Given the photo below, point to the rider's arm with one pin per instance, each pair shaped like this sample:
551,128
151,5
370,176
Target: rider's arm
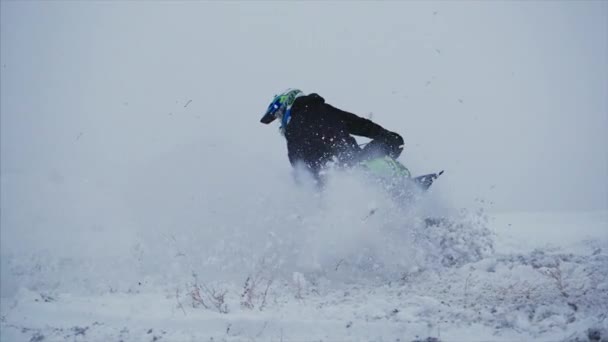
357,125
363,127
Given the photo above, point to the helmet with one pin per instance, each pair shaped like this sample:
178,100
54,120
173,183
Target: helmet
280,107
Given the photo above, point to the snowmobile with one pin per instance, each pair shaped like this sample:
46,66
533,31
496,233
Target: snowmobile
398,181
396,178
389,169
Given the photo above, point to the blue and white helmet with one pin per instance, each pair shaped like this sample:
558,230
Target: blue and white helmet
280,107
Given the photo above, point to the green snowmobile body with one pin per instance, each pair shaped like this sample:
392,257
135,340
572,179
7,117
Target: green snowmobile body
386,167
391,171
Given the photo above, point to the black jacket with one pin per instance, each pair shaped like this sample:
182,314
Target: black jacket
318,133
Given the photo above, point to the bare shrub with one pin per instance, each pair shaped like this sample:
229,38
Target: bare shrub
555,273
255,291
208,297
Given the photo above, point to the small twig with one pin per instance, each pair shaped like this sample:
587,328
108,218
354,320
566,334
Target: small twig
265,294
262,330
556,275
179,304
339,263
196,297
217,298
247,296
466,288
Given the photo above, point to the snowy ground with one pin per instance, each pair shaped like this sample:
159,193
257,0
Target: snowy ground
521,284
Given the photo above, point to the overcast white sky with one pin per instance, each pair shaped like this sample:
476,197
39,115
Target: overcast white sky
510,98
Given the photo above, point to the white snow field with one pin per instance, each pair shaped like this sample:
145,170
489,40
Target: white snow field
142,200
529,287
319,268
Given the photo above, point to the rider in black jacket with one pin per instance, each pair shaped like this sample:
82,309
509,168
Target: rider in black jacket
318,133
